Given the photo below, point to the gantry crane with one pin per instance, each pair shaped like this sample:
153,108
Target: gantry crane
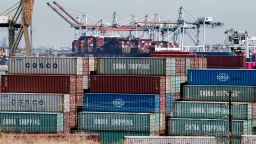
23,11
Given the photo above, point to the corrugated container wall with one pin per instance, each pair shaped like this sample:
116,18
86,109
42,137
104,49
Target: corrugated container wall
222,77
226,62
212,110
31,122
38,84
169,140
114,102
37,102
148,66
248,139
139,122
209,127
219,93
130,84
46,65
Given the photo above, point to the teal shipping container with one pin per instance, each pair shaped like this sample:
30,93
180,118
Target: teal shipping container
212,110
31,122
218,93
137,122
207,127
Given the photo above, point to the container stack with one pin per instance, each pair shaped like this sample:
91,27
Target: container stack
127,97
41,94
205,108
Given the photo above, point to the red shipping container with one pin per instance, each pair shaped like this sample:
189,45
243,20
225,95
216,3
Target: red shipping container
130,84
39,84
169,53
229,62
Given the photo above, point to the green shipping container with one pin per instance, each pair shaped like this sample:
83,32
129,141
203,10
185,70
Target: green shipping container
219,93
33,122
113,137
139,122
207,127
212,110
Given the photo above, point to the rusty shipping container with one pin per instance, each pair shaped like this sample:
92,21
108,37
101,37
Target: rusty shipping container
130,84
47,65
226,62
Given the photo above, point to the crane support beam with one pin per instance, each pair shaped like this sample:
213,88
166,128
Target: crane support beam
60,14
62,9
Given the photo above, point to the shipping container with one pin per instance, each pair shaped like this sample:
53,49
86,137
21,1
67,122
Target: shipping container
212,110
248,139
114,137
207,127
137,122
127,84
39,84
214,53
219,93
45,65
169,140
130,84
31,122
115,102
85,82
144,66
170,52
37,102
226,62
222,77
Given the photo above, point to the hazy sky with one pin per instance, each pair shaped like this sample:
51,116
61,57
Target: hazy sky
49,29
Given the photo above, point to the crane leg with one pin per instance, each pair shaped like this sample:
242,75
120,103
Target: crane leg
27,42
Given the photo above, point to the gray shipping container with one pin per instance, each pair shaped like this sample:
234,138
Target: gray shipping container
169,140
143,122
34,102
45,65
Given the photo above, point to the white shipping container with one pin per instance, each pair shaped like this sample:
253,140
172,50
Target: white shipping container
45,65
91,64
34,102
169,140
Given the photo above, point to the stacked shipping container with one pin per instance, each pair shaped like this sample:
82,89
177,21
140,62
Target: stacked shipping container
135,85
42,75
205,110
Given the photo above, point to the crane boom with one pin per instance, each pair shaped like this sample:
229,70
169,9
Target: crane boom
68,21
62,9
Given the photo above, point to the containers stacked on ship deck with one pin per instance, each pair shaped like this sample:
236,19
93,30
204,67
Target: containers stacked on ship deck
205,108
40,91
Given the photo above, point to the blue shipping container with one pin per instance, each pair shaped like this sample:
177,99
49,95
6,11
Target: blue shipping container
113,102
222,77
214,53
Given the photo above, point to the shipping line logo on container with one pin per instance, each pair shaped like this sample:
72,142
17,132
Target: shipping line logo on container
131,66
41,65
223,77
118,103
